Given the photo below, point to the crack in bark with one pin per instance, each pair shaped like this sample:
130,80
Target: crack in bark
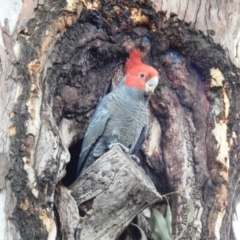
199,5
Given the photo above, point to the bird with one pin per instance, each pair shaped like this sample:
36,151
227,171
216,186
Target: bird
120,118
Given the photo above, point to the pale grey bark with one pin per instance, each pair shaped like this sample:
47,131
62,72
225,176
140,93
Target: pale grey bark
34,151
108,195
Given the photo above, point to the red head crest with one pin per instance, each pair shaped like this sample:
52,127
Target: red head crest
139,75
133,60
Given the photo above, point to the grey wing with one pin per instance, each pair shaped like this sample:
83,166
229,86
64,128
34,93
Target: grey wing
94,131
140,140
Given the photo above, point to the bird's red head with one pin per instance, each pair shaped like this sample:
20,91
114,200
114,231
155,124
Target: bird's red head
140,75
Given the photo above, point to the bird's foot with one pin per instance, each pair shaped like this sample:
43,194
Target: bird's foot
135,158
125,149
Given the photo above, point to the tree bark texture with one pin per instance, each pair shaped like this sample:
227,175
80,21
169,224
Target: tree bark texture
59,58
110,194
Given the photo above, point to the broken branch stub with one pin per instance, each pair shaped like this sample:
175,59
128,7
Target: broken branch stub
109,194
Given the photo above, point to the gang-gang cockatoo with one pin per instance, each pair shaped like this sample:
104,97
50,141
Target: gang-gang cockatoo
121,116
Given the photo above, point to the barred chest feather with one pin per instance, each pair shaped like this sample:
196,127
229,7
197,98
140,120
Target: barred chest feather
128,117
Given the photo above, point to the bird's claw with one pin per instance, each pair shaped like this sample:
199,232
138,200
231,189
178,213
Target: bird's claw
125,149
135,158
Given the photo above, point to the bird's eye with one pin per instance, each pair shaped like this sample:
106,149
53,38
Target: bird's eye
142,75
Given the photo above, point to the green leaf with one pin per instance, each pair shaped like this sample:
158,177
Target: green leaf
158,226
168,219
191,211
151,224
143,235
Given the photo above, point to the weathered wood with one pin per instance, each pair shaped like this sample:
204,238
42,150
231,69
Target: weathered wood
33,157
109,194
59,58
67,213
220,19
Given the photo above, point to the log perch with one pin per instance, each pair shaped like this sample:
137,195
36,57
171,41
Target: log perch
109,194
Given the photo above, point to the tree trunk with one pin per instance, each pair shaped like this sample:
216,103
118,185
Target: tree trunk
59,58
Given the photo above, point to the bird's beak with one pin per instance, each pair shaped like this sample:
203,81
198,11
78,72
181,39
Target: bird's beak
150,85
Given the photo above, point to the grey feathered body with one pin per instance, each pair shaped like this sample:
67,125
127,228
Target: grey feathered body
121,117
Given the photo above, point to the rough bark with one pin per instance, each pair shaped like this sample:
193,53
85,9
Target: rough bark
59,58
108,196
